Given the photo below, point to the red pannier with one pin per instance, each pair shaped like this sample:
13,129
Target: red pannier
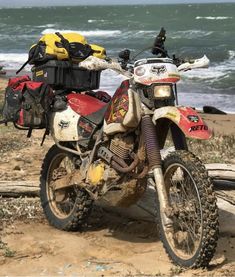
27,102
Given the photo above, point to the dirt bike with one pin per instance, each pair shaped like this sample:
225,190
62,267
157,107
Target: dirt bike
112,152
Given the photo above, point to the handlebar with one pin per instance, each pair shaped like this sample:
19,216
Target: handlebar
93,63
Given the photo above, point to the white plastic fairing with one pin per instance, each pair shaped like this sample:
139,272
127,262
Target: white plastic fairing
199,63
150,71
65,125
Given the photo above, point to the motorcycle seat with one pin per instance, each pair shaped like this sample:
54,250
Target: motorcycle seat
98,116
87,106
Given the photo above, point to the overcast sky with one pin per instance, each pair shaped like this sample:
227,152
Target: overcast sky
19,3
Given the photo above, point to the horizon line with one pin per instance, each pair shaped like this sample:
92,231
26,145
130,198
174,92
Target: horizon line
116,4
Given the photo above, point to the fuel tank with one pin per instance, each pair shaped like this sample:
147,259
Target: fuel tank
124,110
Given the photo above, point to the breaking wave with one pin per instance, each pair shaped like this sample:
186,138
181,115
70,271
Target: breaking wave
96,20
12,61
46,26
190,34
214,17
96,33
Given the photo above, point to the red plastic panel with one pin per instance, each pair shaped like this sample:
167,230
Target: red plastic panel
192,124
84,104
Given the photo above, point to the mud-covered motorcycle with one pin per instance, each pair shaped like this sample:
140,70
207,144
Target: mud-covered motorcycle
112,151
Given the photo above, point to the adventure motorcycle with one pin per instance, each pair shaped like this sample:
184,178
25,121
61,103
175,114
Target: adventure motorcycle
112,151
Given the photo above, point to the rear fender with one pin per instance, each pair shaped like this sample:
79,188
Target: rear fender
186,119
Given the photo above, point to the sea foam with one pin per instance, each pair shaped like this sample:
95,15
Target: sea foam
96,33
12,61
95,20
46,26
190,34
214,17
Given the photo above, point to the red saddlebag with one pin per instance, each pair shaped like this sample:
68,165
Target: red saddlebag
27,102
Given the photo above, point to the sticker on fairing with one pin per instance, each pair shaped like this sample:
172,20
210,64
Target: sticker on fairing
198,128
193,118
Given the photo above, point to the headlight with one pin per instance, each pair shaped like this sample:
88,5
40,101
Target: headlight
162,91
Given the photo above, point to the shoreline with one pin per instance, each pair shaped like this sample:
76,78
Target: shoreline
12,73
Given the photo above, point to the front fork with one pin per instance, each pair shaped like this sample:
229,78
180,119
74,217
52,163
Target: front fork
155,164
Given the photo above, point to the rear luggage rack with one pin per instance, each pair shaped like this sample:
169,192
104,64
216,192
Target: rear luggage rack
66,75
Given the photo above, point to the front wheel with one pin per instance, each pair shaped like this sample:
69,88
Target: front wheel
191,239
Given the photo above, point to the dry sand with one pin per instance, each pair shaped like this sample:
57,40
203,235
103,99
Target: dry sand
221,124
112,245
3,84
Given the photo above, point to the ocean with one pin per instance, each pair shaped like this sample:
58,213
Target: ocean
192,31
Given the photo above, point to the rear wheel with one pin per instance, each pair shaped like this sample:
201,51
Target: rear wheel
66,209
191,240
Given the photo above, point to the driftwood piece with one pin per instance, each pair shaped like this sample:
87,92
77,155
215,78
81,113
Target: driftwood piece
224,172
221,171
145,208
227,196
19,188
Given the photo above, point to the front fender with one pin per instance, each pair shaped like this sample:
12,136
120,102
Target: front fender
186,119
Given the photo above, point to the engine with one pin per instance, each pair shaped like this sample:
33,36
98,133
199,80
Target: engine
120,149
115,172
122,146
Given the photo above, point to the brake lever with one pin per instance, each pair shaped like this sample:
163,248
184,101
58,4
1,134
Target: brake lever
177,61
124,58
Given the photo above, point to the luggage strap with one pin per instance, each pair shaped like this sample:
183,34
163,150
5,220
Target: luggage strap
47,130
18,71
64,42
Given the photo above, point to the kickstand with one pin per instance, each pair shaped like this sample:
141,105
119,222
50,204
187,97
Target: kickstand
3,122
46,133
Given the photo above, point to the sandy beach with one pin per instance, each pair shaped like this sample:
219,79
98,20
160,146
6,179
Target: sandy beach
119,241
3,84
221,124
